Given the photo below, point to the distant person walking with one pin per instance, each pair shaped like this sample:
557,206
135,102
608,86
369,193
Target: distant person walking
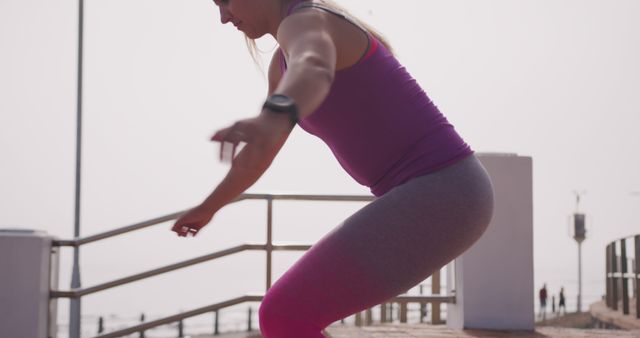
561,302
543,301
339,80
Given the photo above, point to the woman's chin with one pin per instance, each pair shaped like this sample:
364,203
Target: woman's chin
253,36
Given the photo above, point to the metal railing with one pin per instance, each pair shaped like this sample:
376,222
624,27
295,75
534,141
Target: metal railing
618,274
268,247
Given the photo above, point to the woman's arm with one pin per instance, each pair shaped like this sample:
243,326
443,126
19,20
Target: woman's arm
312,56
243,174
305,38
264,136
268,134
307,41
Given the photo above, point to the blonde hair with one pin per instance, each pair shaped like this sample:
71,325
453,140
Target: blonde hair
330,4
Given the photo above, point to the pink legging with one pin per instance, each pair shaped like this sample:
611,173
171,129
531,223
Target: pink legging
381,251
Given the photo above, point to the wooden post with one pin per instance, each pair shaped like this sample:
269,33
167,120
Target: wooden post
614,279
269,239
368,317
249,320
637,259
607,279
422,305
359,319
435,290
100,324
383,313
403,312
625,282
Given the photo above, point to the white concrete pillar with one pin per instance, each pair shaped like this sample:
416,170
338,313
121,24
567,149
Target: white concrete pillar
494,278
27,272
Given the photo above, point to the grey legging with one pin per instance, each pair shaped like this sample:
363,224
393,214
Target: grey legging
383,250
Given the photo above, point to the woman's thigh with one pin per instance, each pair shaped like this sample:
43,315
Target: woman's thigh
387,247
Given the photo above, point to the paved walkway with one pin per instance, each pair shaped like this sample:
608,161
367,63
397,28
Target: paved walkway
439,331
606,315
598,310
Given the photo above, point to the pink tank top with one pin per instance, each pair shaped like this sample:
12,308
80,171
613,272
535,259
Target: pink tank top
379,123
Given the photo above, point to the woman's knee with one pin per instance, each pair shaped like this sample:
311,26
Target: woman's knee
277,321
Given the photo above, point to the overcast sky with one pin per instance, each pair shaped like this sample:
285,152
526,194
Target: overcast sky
554,80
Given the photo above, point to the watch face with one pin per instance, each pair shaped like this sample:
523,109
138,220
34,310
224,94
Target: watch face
280,99
278,103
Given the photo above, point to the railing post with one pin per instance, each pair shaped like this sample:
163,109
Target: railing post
216,331
637,259
141,321
435,290
383,313
625,282
100,325
180,329
368,317
269,238
614,280
249,321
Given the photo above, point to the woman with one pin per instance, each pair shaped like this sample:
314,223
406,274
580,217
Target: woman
338,80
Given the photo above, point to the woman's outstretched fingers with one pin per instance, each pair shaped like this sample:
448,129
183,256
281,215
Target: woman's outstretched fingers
180,229
230,138
227,151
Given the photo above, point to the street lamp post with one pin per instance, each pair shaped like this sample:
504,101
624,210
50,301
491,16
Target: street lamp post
74,304
579,235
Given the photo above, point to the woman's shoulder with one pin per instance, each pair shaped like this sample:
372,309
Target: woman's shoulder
350,39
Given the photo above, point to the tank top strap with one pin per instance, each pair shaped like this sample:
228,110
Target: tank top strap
292,5
372,43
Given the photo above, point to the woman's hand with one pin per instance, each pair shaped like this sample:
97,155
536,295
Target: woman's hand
262,137
192,221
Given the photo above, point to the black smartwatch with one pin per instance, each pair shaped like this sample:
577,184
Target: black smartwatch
282,104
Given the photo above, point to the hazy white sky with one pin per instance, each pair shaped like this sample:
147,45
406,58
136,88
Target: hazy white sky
554,80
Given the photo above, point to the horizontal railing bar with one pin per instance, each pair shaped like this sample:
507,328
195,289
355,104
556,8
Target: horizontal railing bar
116,232
184,315
629,275
83,292
299,197
290,247
292,197
252,298
219,254
423,299
627,237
